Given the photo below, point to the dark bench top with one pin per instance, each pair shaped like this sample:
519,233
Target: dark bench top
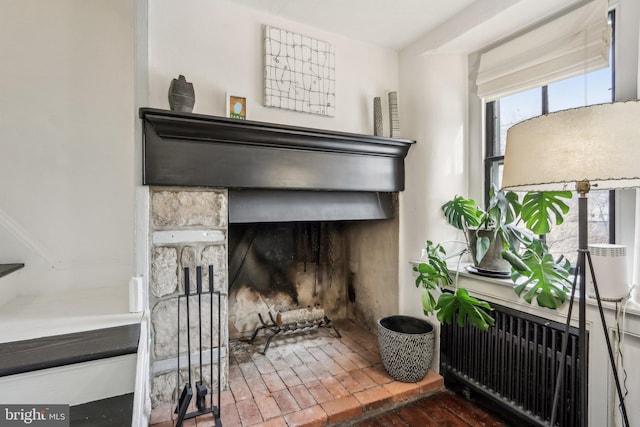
9,268
59,350
110,412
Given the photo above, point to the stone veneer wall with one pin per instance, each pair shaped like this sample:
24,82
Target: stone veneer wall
188,228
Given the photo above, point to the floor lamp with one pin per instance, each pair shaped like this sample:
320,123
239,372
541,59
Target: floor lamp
595,147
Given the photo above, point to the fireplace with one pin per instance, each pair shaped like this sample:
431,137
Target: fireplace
289,217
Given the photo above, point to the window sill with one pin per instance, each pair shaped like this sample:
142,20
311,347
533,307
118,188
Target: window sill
501,292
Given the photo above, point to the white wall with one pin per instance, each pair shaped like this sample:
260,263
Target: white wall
67,141
217,46
433,90
627,34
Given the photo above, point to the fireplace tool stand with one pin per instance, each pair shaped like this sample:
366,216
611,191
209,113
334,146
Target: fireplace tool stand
200,387
293,321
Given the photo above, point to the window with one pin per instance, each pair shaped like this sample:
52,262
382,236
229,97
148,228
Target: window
592,88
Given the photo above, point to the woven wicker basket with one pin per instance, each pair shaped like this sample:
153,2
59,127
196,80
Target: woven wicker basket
406,347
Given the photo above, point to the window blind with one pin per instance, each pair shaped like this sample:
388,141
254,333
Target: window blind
572,44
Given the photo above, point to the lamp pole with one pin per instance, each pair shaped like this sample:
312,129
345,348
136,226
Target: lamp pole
584,258
583,187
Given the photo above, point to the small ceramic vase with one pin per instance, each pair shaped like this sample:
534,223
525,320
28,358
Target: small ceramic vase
181,95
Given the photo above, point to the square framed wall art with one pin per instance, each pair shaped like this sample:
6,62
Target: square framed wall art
299,73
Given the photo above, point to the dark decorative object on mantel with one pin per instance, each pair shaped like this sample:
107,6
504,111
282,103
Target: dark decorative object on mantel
377,116
181,95
394,119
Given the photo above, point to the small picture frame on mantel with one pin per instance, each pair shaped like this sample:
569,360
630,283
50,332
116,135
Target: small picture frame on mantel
236,107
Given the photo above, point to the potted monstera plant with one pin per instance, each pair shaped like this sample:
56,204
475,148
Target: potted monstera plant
513,225
487,232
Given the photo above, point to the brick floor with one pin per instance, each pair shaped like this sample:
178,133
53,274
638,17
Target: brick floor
307,379
342,409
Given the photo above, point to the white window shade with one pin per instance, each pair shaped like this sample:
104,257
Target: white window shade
573,44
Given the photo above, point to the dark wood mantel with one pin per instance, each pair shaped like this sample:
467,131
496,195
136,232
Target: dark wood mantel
199,150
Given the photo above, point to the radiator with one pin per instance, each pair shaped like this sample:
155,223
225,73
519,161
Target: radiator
515,365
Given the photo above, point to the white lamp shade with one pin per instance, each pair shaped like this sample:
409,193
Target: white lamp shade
599,143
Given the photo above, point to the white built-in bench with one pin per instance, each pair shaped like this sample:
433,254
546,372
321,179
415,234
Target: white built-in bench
79,347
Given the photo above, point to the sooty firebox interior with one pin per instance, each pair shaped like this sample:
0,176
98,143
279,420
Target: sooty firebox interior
285,265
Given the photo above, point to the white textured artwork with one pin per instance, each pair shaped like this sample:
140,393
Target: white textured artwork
299,73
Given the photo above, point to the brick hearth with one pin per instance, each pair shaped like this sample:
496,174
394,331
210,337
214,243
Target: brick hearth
307,379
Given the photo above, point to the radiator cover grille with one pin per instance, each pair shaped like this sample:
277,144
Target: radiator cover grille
515,364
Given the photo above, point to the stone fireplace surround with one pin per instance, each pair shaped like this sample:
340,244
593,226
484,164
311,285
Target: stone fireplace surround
211,179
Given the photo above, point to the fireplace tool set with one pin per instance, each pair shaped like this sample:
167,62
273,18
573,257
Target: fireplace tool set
200,390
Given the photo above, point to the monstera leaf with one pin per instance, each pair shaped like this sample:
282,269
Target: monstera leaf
462,213
515,236
433,272
466,307
537,274
428,302
540,209
504,208
482,247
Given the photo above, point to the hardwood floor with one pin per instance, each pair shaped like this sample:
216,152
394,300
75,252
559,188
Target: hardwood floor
442,409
